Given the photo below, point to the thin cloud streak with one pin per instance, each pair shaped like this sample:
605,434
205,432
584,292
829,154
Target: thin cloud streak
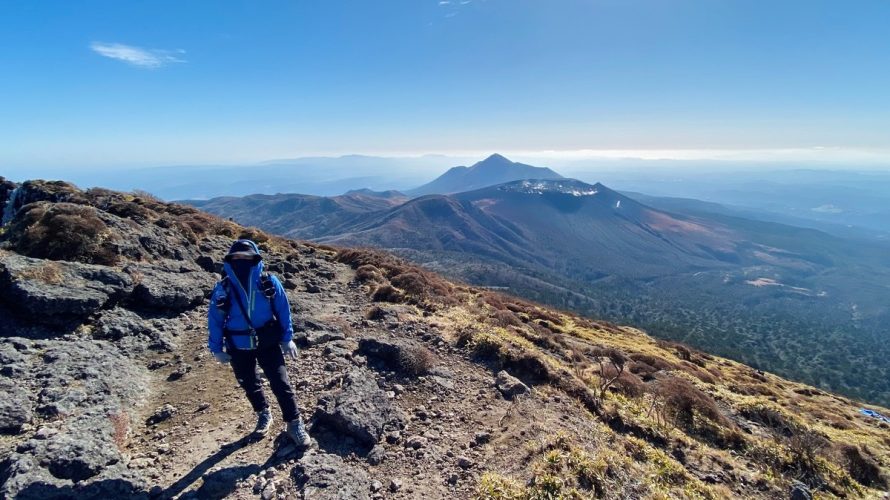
137,56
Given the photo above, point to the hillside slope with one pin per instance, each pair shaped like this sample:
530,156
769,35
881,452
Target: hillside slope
416,386
792,300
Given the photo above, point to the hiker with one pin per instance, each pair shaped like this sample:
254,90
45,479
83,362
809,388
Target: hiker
250,323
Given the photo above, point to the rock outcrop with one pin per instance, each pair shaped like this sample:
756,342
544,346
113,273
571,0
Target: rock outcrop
360,409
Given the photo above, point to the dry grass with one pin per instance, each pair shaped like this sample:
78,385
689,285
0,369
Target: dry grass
375,313
416,360
49,273
62,231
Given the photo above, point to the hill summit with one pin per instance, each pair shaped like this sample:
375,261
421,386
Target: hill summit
496,169
416,386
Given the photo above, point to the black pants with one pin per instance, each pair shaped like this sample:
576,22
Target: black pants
271,360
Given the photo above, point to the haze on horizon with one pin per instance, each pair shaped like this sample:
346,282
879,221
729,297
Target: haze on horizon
102,84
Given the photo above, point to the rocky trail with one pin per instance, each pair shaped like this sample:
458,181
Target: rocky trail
436,432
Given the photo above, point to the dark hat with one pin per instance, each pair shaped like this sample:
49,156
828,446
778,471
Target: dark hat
244,248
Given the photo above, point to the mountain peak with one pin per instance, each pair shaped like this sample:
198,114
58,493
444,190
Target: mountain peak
496,157
494,170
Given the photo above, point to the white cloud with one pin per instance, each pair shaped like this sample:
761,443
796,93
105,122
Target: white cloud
137,56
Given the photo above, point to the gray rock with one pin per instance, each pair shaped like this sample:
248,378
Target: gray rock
377,455
482,437
416,442
15,407
395,485
12,362
509,385
323,476
84,450
800,491
172,292
315,338
161,414
57,292
360,409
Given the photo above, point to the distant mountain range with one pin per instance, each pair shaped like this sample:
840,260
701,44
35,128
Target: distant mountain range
793,300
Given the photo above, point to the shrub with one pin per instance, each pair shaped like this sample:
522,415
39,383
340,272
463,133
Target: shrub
253,234
682,403
805,446
375,313
387,293
62,231
412,283
369,274
128,210
861,467
611,366
770,417
656,363
630,385
505,319
416,360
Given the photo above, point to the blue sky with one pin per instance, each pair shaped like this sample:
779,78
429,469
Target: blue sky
93,83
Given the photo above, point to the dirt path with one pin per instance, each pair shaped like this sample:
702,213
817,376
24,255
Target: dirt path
457,423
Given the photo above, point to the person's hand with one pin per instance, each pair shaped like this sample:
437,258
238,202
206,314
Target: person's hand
289,349
222,357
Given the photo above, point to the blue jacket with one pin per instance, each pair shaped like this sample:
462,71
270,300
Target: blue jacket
258,307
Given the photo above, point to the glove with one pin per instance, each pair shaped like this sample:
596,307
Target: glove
222,357
289,349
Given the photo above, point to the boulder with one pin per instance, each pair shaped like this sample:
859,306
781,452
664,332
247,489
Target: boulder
360,409
323,476
171,292
509,385
55,291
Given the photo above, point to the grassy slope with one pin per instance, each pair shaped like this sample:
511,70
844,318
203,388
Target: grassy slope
670,405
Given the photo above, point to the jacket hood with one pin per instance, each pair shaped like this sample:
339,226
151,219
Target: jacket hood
246,248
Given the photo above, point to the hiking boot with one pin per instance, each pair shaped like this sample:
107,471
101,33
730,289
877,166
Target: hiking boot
263,422
297,432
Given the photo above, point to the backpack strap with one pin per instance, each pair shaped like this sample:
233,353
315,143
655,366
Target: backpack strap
224,303
268,286
269,291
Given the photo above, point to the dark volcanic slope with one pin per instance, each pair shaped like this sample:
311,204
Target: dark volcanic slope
492,171
560,224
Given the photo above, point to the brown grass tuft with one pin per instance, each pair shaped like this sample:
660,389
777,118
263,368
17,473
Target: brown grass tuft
49,273
416,360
